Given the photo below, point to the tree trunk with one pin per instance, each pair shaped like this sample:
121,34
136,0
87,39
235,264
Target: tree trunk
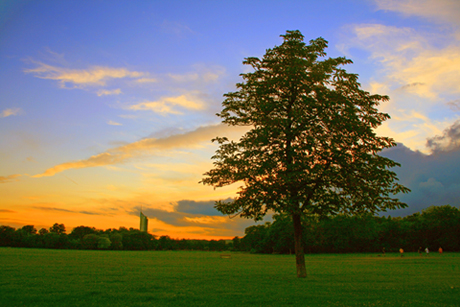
299,252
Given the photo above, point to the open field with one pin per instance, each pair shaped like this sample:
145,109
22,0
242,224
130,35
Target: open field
39,277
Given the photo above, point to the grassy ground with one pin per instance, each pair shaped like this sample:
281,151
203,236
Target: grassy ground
38,277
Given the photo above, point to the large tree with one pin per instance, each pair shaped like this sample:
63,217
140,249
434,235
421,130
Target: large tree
311,148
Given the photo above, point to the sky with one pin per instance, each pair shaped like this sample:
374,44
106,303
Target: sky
108,107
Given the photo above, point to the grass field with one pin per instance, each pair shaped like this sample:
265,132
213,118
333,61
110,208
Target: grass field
39,277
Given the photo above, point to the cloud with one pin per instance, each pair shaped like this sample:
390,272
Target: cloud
433,178
45,208
168,105
102,159
454,105
448,141
93,76
7,211
410,60
112,123
117,155
202,74
109,92
197,207
418,70
5,179
437,10
10,112
147,80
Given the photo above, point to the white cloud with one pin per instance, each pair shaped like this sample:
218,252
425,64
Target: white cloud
10,112
112,123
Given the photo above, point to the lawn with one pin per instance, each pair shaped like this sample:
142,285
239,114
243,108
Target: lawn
39,277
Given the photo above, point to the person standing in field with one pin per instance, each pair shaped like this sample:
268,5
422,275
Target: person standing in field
440,250
401,251
427,251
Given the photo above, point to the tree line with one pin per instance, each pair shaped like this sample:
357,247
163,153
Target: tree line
437,226
85,237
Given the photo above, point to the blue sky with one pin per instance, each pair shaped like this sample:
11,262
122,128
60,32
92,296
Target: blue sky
109,106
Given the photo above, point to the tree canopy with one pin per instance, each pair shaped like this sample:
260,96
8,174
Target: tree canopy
311,148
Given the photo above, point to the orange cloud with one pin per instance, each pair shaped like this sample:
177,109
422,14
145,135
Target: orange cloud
192,139
105,158
166,105
4,179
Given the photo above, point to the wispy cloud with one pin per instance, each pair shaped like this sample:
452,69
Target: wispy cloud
46,208
192,139
438,10
146,80
201,74
10,112
7,211
5,179
170,105
109,92
112,123
92,76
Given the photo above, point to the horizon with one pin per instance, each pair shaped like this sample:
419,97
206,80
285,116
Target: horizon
109,107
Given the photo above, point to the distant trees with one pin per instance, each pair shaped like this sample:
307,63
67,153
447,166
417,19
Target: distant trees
58,228
435,227
7,236
84,237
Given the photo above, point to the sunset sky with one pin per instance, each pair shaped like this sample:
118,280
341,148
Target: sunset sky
107,107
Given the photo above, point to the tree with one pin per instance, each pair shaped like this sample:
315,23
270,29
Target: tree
90,241
6,235
117,241
80,231
58,228
103,242
311,148
42,231
29,229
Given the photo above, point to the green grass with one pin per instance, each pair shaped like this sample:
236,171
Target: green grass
39,277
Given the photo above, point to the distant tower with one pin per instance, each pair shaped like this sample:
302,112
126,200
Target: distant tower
144,222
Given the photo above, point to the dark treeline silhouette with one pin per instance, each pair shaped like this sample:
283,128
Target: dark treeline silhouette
84,237
433,228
